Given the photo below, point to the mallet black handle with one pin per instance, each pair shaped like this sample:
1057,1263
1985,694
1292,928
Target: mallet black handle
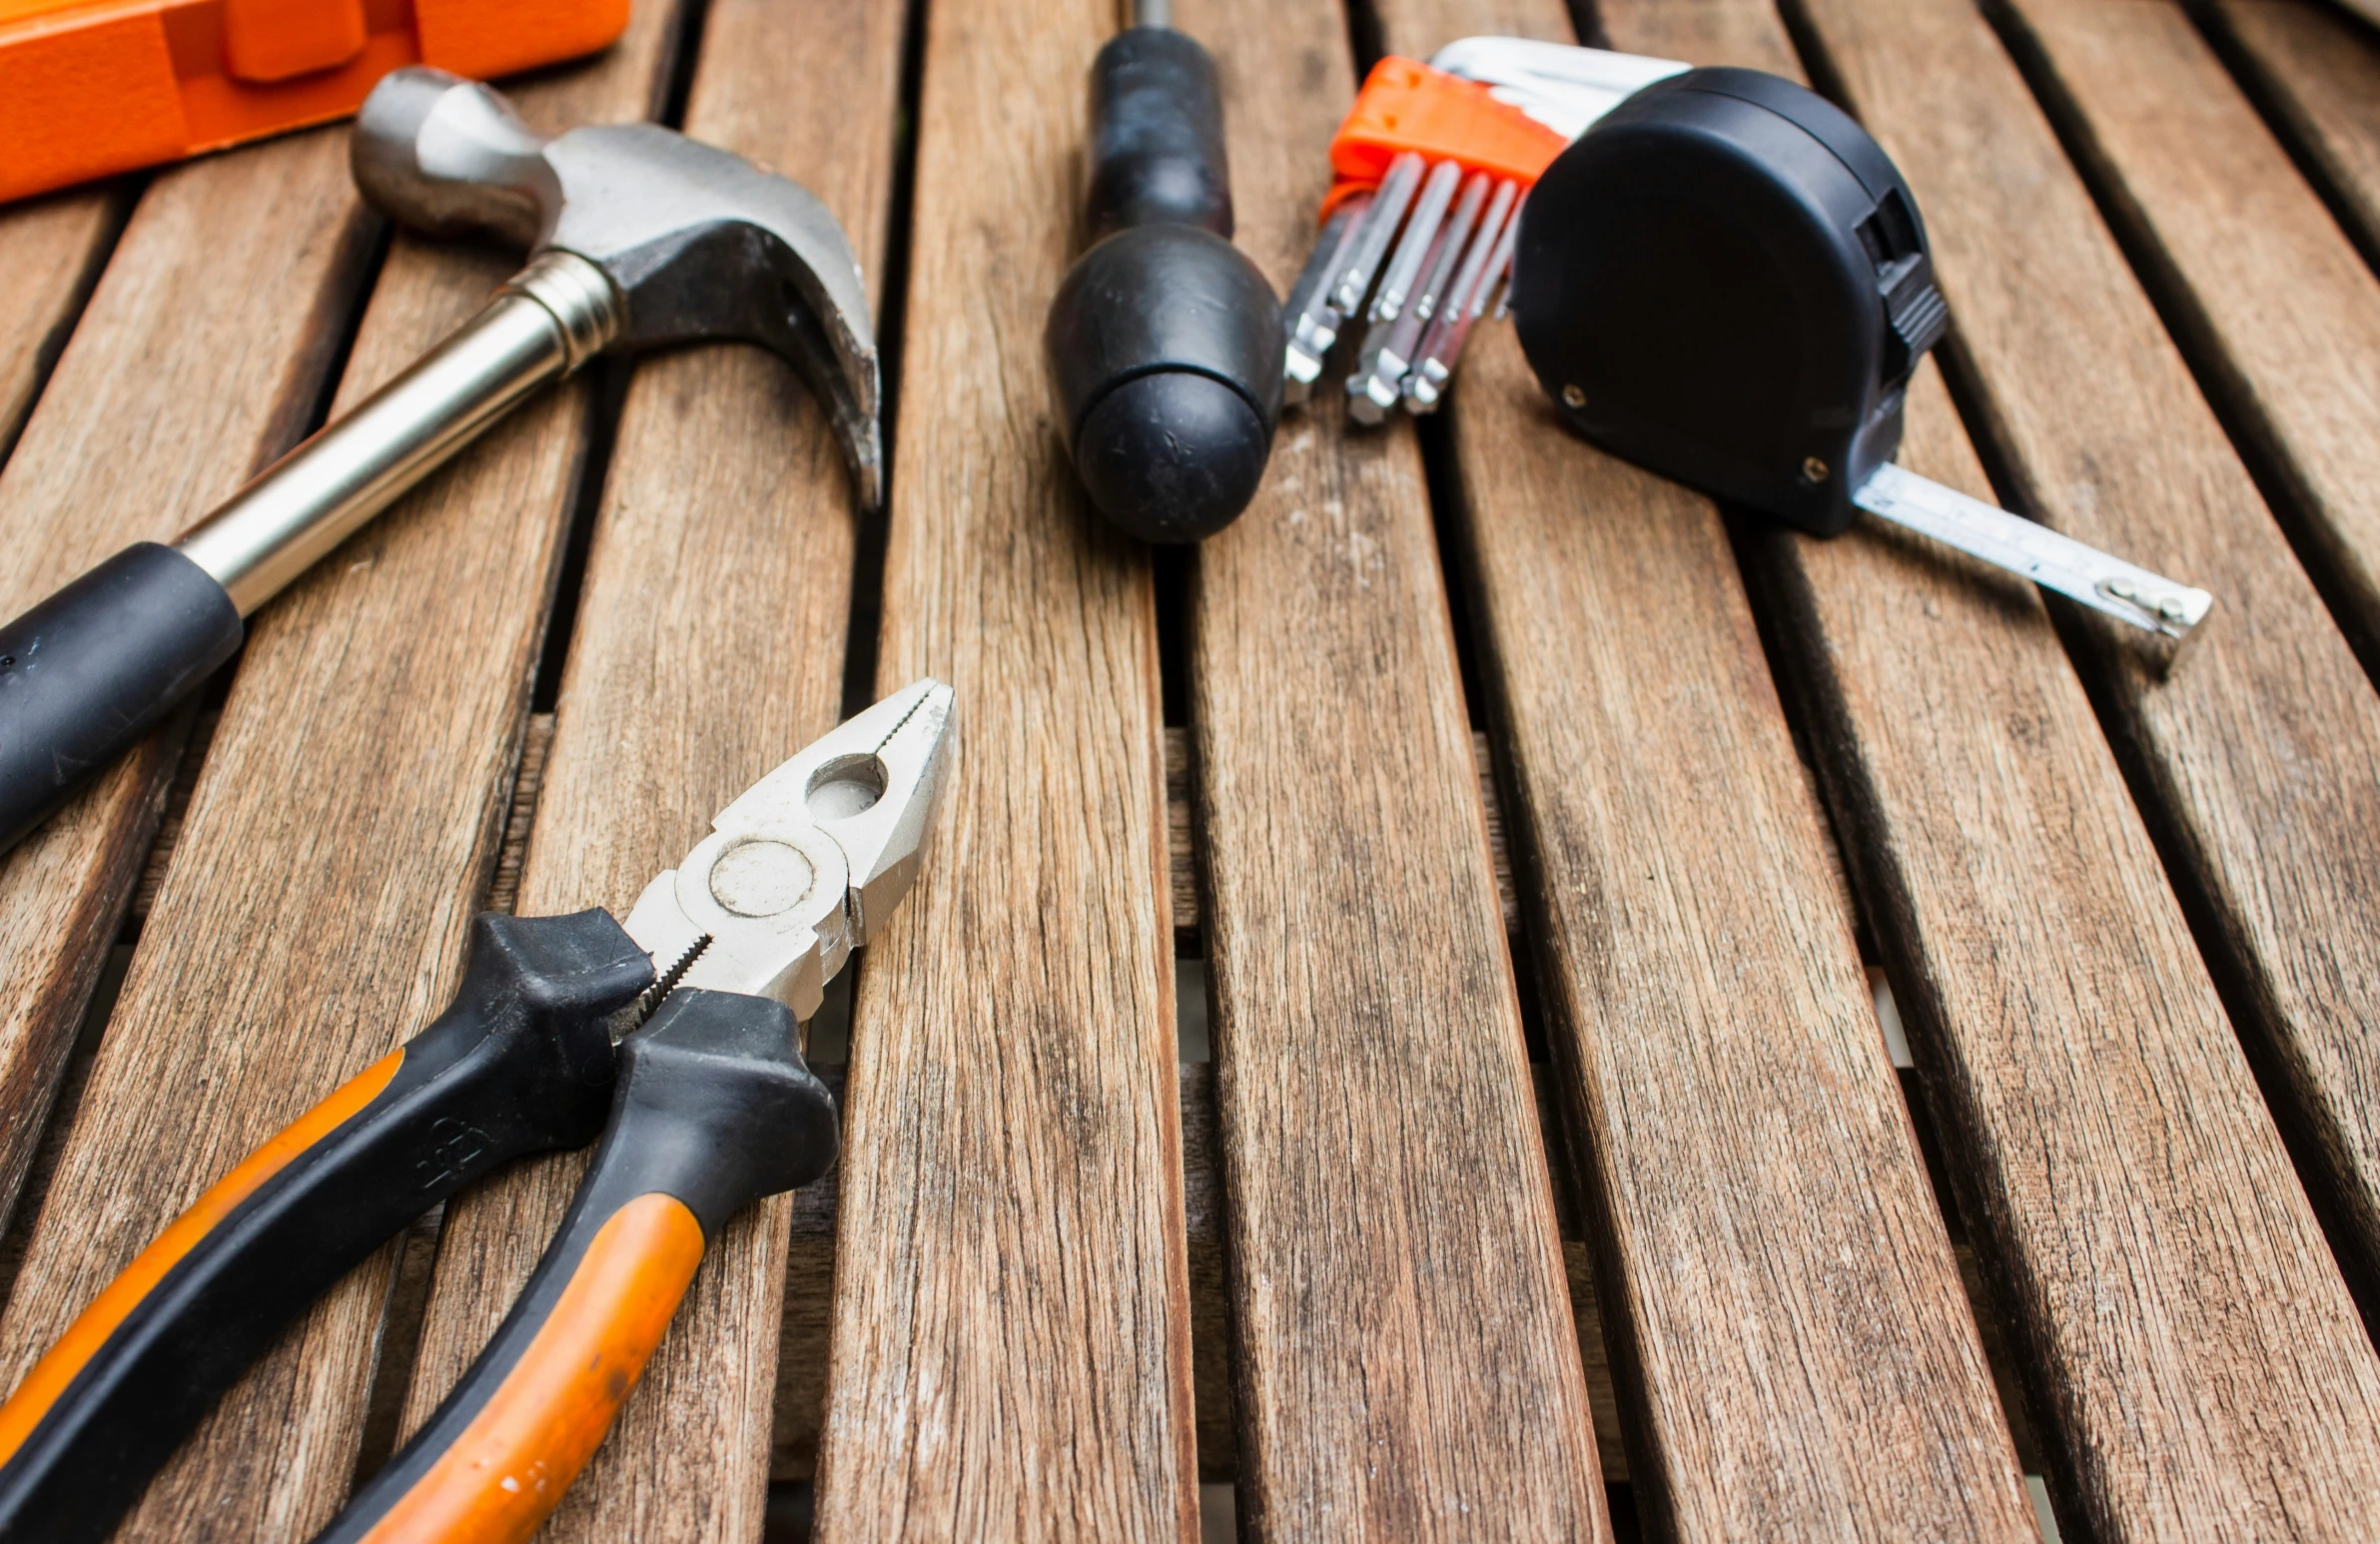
1164,342
1156,136
521,1060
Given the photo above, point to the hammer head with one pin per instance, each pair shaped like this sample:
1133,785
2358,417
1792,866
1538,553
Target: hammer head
699,243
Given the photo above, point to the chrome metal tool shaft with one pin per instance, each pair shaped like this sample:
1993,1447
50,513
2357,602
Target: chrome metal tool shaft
551,318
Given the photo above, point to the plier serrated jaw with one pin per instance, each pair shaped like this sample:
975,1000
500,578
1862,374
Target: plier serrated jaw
808,862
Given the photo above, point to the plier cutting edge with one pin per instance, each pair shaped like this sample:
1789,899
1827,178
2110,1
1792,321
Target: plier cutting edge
673,1037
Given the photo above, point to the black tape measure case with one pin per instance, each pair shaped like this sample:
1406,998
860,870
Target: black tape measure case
1726,280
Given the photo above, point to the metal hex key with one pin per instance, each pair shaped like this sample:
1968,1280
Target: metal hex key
1313,322
1484,267
1315,317
1373,392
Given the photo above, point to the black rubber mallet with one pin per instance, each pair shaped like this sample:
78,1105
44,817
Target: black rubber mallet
1164,342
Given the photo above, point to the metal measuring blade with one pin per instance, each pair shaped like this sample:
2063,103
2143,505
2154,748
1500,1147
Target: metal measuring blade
2096,579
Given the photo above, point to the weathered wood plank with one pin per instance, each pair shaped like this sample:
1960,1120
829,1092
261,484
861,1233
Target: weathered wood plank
2287,316
801,1359
340,834
1011,1352
197,359
52,250
2197,1362
1778,1288
2018,897
709,648
2318,70
1406,1360
1181,859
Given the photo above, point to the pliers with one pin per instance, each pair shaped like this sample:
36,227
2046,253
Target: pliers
673,1037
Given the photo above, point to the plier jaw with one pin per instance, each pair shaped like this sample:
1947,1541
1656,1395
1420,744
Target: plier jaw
807,863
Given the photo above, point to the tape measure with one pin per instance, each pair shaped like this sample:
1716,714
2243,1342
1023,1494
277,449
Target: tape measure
1726,280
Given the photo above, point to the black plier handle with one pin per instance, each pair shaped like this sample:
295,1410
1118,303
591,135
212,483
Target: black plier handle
710,1107
714,1111
521,1060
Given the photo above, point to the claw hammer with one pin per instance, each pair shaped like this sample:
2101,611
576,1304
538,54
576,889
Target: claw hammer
638,237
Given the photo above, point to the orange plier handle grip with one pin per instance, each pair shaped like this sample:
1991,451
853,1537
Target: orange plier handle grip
521,1061
714,1109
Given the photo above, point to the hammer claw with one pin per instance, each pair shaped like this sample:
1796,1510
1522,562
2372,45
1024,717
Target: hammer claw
698,244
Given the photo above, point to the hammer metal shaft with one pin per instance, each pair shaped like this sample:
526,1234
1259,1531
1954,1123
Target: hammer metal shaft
552,317
643,238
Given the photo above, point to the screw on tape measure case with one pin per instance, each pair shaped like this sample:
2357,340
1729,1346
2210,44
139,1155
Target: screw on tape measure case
93,87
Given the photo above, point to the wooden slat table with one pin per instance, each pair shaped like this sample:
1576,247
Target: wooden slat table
1390,1040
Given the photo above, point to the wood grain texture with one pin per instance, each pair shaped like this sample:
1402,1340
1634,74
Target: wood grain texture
340,831
1406,1359
1778,1290
2287,318
1181,841
504,889
809,1292
2199,1360
197,359
2124,1176
709,648
801,1358
1011,1353
2318,72
52,250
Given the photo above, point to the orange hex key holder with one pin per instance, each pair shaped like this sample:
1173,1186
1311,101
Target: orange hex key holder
671,1036
93,87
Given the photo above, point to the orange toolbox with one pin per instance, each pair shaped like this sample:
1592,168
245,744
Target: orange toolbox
91,87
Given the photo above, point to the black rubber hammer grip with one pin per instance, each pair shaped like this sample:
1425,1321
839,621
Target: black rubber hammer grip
93,667
1164,342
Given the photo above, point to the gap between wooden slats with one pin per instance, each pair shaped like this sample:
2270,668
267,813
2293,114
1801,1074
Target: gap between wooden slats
1010,1183
706,650
211,322
2314,72
1707,1001
53,248
801,1363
